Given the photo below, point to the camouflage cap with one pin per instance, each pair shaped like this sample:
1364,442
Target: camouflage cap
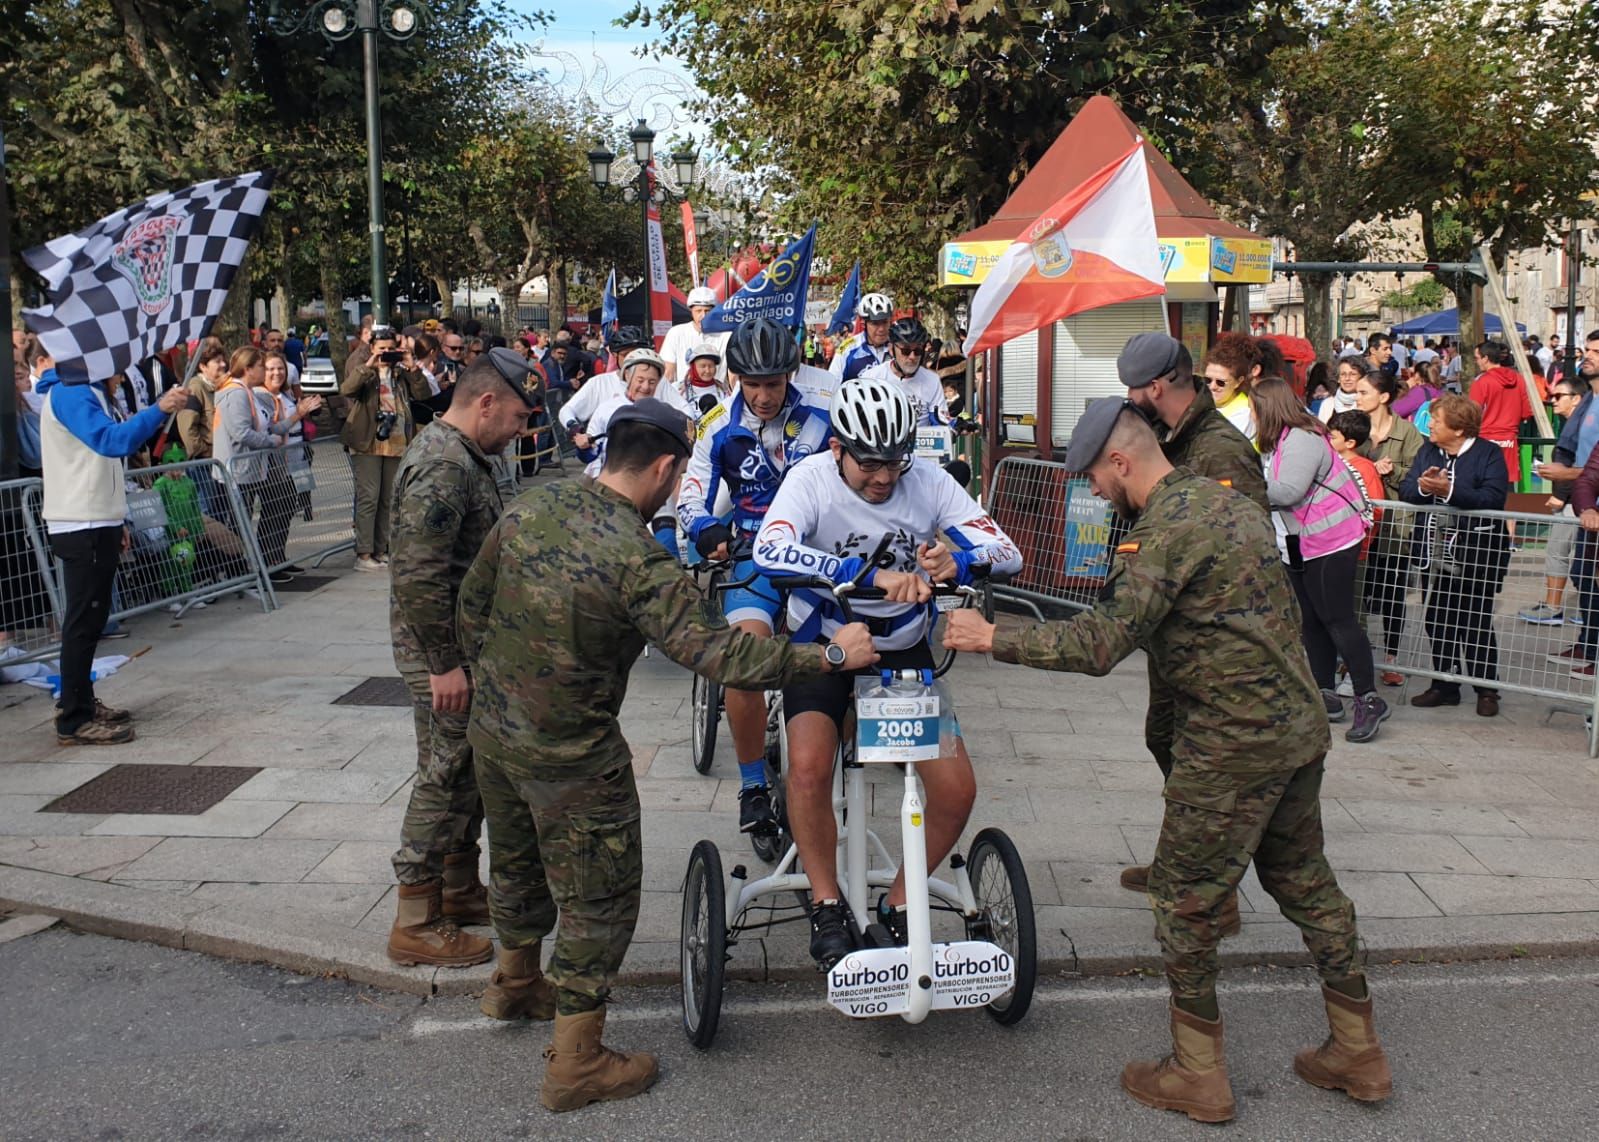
1093,430
510,365
1145,357
659,414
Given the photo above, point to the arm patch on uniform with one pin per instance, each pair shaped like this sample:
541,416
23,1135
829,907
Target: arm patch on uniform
1225,483
440,520
1129,548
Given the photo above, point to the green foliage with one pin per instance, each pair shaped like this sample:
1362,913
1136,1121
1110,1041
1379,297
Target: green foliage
1426,295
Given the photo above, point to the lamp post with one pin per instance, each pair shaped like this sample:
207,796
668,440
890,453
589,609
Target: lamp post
338,20
643,141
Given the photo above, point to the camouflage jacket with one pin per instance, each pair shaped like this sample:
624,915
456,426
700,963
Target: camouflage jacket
1205,441
445,502
568,588
1198,584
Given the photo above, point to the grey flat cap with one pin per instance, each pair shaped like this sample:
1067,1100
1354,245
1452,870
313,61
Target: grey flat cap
1092,431
660,415
510,365
1145,357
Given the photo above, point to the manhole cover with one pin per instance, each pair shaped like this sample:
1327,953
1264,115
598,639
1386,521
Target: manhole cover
305,583
183,790
385,691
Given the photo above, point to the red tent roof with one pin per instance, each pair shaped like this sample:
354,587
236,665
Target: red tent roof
1098,135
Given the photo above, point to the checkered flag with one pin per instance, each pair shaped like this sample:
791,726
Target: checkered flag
146,278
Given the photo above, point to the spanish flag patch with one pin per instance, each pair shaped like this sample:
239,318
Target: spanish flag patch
1225,483
1127,548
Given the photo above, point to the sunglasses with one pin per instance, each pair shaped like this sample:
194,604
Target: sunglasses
910,350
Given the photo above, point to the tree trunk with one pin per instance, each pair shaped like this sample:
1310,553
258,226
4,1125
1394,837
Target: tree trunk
17,300
1469,305
333,307
232,325
1317,290
510,292
557,295
446,296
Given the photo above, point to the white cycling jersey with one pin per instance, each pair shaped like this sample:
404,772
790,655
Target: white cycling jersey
598,423
608,386
923,387
817,526
681,340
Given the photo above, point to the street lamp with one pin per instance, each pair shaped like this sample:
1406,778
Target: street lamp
338,20
643,141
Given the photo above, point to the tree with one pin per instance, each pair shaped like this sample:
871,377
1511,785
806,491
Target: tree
1300,156
900,123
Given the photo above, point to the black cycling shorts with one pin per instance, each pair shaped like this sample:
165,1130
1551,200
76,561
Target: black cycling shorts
831,693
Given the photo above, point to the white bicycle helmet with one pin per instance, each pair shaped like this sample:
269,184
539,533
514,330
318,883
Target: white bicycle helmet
875,307
705,349
643,357
874,420
701,295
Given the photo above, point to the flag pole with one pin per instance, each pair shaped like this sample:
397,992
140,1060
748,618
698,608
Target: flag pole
10,447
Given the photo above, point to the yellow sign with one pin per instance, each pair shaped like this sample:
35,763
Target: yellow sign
1202,260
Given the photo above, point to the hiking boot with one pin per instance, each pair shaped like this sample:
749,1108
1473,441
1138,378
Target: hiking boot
1136,878
1334,706
96,732
831,938
466,901
1192,1079
518,989
1351,1060
107,714
755,809
581,1069
422,934
1370,713
893,920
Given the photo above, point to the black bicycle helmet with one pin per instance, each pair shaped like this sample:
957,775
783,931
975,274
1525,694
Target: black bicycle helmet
629,337
907,331
762,347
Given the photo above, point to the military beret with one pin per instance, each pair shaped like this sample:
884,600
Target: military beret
510,365
1145,357
660,415
1093,430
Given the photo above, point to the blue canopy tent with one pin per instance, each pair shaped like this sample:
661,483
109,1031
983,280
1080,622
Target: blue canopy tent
1446,323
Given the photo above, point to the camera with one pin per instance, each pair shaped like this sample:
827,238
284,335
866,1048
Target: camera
385,424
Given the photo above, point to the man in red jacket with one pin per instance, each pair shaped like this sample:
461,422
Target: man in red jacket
1502,393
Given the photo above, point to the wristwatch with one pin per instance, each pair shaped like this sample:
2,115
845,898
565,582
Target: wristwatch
835,655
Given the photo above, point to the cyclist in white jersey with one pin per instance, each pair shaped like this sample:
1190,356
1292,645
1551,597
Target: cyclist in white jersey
681,340
642,376
907,347
828,517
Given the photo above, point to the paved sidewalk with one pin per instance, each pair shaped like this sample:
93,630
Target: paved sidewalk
1456,836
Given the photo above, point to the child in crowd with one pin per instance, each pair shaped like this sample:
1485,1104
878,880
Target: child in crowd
1347,431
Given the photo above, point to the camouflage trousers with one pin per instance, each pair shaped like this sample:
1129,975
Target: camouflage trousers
1160,723
445,813
1215,824
572,846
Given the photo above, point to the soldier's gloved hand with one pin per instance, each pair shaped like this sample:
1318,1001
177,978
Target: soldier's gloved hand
452,693
969,631
712,542
859,652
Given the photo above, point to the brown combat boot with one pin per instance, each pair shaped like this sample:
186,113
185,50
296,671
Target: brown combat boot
581,1070
518,989
1136,878
466,901
422,934
1351,1060
1192,1079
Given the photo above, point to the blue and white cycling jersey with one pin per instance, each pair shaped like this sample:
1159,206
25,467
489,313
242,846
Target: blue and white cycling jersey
923,387
855,358
750,456
818,526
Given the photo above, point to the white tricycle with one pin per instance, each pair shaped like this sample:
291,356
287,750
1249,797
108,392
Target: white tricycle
898,715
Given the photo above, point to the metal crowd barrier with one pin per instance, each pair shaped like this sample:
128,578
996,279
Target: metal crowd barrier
1441,593
30,593
300,500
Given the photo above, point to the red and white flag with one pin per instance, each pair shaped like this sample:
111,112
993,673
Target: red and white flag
691,243
1094,247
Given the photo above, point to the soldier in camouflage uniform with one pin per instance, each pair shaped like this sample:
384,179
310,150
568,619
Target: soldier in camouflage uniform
1197,584
445,503
1159,374
568,588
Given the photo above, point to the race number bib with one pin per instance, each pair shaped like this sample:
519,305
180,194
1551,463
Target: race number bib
899,722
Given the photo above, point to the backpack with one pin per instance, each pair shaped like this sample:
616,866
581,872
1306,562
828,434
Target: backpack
1423,418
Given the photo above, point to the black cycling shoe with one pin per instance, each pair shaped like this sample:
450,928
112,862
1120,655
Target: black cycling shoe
831,937
755,810
893,920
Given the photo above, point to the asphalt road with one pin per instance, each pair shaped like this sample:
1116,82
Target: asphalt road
105,1039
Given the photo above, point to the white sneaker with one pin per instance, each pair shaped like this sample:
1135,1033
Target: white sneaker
367,563
1346,688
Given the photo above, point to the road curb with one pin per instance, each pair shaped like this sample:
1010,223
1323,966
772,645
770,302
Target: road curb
311,946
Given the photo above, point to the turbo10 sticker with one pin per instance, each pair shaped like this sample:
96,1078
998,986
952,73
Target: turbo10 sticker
971,973
876,981
897,729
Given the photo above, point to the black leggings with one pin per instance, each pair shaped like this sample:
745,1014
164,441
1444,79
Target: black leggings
1326,589
1386,579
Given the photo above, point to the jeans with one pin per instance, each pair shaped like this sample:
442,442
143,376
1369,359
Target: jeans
88,572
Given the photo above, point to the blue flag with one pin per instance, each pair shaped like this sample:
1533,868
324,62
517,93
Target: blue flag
844,315
779,291
608,303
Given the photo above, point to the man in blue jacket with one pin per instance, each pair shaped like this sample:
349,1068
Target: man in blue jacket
85,503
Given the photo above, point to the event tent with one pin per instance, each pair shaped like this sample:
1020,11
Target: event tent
1446,323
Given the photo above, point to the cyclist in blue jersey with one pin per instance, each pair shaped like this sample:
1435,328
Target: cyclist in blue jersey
871,348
